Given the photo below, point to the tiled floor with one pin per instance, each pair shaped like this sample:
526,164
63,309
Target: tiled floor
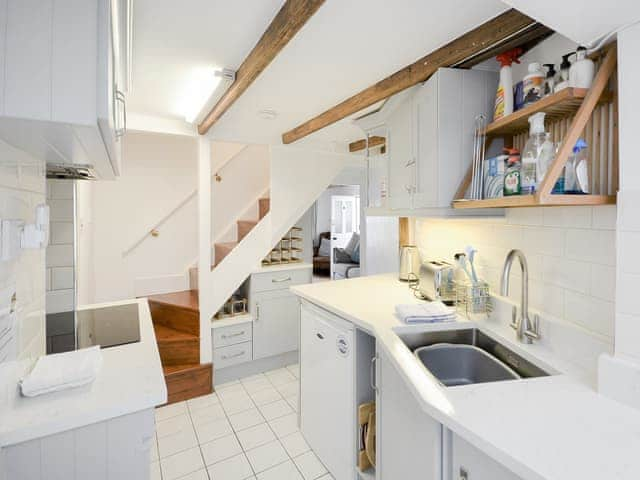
246,430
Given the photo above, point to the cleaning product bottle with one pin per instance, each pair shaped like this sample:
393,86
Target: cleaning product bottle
512,167
565,67
536,155
533,84
560,182
582,71
504,94
577,170
550,79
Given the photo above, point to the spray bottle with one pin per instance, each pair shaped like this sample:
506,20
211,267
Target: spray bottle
537,155
504,94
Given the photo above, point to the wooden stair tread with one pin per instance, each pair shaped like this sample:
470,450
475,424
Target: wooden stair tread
222,250
264,205
168,334
186,299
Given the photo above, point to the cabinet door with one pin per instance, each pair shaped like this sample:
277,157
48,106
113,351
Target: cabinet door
425,106
469,463
401,156
409,442
276,327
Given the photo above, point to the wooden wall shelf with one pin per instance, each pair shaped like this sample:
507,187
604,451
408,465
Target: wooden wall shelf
572,113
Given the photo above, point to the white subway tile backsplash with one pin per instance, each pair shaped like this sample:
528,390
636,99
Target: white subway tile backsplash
59,255
60,210
568,217
571,254
61,278
61,232
60,301
595,246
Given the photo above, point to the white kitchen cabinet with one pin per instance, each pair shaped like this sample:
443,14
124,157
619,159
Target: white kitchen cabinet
431,137
409,442
469,463
277,320
327,389
61,97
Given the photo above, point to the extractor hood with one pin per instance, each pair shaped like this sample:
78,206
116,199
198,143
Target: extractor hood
70,171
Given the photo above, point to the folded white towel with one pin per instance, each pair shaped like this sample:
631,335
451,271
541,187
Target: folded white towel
61,371
431,312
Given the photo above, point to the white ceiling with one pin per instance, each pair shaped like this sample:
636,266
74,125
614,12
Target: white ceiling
345,47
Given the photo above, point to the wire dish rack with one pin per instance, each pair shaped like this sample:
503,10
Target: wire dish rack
473,299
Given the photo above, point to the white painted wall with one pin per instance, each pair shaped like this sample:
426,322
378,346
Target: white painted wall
548,51
22,188
619,375
60,251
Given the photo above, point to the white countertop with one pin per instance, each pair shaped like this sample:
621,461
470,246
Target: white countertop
551,428
130,380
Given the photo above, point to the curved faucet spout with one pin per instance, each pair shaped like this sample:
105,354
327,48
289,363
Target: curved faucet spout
522,325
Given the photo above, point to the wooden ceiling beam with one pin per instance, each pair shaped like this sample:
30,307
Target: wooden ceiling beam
374,141
288,21
473,43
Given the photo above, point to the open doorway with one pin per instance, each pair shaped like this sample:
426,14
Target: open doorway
337,233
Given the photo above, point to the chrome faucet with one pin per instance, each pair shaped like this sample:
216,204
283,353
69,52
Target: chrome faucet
526,330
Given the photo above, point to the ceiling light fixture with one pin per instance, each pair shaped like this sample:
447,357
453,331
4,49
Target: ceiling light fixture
203,90
267,114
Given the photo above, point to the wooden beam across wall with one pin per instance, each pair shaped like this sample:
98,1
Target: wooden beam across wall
288,21
473,43
374,141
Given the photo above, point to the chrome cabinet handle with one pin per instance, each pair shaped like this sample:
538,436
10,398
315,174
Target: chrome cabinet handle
229,357
372,373
120,131
232,335
257,312
320,336
280,280
412,161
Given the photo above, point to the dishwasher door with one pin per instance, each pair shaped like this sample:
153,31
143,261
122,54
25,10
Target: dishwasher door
327,409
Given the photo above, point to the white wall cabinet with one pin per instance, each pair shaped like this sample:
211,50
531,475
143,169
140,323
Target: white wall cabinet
408,440
61,99
469,463
431,137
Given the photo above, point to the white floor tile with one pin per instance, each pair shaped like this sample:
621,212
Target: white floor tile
251,378
280,376
173,425
295,444
284,426
153,454
226,385
294,369
155,471
173,410
230,390
255,436
199,475
234,468
275,410
207,414
293,402
220,449
310,466
265,396
181,464
210,431
284,471
178,442
236,403
257,385
267,456
289,389
203,401
246,419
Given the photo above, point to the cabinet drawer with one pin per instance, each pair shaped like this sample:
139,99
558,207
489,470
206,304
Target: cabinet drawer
231,335
228,356
263,282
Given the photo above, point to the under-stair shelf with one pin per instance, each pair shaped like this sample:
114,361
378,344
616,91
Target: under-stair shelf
570,114
288,249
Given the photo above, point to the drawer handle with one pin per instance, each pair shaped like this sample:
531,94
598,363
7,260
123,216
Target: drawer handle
229,357
320,336
280,280
232,335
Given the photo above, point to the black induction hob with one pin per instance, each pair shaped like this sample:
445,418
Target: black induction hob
105,326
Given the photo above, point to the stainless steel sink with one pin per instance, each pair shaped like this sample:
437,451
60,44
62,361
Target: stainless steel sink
467,356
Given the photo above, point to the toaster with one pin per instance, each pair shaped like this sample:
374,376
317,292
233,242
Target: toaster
436,281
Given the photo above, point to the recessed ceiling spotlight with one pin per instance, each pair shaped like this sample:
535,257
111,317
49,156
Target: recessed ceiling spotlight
267,114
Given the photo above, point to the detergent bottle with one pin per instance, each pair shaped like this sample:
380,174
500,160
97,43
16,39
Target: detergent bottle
504,94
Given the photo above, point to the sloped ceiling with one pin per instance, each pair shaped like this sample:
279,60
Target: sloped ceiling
345,47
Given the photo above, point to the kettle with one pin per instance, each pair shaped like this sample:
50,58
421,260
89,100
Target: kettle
409,263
